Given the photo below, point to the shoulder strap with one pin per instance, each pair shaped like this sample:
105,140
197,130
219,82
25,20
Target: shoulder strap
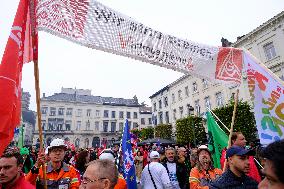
152,176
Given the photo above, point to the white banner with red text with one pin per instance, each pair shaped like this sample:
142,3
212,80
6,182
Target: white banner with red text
91,24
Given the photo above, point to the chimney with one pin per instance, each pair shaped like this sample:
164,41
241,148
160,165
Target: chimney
43,95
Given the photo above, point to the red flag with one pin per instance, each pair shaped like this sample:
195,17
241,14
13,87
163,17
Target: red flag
21,48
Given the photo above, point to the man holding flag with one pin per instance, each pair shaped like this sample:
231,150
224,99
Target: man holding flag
128,160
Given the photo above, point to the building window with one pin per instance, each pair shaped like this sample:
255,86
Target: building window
128,115
186,91
43,124
135,125
79,112
98,113
197,107
160,104
88,124
167,117
69,111
89,112
205,83
181,111
135,115
121,126
154,107
60,111
121,114
160,117
194,87
174,114
105,125
166,101
78,127
129,124
269,51
179,95
173,98
68,125
219,99
105,113
149,121
207,102
113,127
44,110
97,126
112,114
52,112
142,121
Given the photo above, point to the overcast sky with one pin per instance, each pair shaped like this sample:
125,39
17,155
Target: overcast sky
65,64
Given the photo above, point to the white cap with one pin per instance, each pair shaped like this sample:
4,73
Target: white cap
203,147
57,143
154,155
107,154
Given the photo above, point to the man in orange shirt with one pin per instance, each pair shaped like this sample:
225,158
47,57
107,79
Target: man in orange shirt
58,174
204,172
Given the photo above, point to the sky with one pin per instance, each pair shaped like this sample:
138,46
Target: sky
65,64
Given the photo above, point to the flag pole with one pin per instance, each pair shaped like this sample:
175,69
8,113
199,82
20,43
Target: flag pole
232,125
218,119
34,34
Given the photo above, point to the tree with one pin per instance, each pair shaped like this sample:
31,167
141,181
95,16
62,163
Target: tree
185,133
244,120
163,131
147,132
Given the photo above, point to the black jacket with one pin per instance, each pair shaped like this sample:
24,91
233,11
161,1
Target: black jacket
228,180
182,174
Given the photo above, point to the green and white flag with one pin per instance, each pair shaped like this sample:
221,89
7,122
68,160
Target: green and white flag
217,140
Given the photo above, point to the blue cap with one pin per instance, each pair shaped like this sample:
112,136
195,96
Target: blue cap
239,151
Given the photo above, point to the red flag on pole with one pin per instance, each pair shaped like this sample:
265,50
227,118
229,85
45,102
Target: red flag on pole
21,48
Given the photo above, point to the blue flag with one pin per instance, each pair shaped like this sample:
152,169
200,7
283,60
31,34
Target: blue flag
128,160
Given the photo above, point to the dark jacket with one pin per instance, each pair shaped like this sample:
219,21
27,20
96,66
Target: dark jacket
182,174
228,180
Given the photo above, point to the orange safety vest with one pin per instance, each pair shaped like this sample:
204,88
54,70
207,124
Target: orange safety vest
67,178
198,178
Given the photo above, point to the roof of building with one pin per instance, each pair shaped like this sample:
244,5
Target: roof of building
91,99
145,110
242,38
168,86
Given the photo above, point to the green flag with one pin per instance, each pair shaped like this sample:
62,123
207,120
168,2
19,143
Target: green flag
217,139
21,137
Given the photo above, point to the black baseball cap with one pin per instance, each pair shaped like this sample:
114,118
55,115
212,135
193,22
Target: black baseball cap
239,151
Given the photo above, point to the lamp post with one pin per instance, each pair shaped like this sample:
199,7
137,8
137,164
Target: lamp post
191,110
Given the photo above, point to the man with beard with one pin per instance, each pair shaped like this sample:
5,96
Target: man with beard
204,172
177,171
235,176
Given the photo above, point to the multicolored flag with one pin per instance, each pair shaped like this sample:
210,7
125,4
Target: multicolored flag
267,94
128,160
21,48
94,25
217,139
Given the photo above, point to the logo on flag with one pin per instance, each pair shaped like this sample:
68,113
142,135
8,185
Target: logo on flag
229,65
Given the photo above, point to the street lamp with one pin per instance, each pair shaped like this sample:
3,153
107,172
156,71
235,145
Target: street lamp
191,112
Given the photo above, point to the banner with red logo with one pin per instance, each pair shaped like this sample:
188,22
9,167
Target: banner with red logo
18,50
94,25
267,94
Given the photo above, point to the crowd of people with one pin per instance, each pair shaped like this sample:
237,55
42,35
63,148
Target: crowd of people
156,167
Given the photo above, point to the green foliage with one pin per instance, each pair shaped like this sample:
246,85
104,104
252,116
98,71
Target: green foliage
244,120
163,131
185,133
136,132
146,133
